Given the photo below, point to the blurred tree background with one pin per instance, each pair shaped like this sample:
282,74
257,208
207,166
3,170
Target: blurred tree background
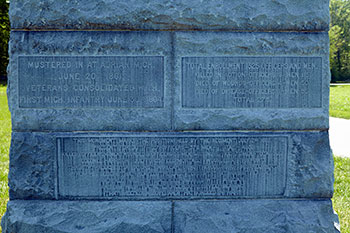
339,35
4,36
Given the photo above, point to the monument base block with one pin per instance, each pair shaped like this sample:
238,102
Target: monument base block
87,216
170,216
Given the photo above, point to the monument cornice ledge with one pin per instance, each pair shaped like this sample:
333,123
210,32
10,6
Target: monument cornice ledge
307,15
157,30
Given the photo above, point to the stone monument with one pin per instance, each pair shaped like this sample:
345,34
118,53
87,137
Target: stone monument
169,116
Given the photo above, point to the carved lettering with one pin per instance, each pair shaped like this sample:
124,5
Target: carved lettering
251,82
91,81
181,167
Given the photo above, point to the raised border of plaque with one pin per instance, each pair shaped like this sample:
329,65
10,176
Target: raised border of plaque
83,113
171,166
91,81
251,82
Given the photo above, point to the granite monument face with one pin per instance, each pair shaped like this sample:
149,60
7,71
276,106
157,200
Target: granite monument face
169,117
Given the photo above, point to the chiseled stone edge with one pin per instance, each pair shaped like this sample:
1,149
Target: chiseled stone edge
33,163
255,216
310,166
32,169
267,15
263,215
86,217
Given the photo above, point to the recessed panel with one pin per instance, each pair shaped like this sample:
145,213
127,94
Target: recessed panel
91,82
172,166
251,82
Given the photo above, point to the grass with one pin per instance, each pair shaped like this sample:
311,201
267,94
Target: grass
340,101
5,137
341,198
340,107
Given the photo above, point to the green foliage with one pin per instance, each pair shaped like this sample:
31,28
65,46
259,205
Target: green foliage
341,198
4,36
339,36
340,101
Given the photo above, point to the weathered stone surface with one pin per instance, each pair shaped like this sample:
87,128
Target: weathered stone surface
188,216
297,101
270,15
169,116
255,216
32,172
305,109
86,217
41,99
300,161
